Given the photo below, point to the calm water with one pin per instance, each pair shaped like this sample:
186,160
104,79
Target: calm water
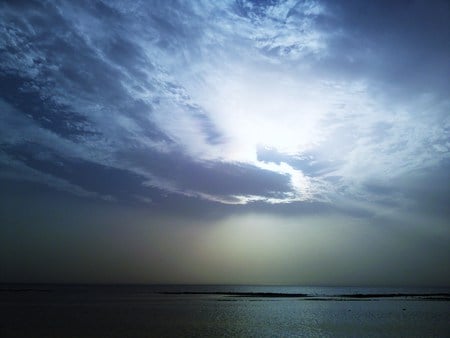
148,311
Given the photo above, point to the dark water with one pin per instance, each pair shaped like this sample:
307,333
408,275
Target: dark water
242,311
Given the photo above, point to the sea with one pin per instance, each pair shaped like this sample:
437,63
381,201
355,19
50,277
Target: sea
50,310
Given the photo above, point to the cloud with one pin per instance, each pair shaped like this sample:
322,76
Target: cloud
184,97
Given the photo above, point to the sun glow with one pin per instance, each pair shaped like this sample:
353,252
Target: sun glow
260,108
257,109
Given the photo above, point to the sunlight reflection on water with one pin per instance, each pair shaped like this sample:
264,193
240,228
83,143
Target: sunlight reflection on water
140,311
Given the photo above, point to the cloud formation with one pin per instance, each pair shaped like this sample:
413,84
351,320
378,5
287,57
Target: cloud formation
231,102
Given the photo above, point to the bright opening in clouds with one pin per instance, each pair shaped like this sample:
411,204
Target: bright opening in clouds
202,112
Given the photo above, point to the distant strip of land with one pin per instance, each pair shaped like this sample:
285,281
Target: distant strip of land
24,290
240,294
426,296
395,295
230,294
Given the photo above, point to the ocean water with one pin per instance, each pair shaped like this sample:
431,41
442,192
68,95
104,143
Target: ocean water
218,311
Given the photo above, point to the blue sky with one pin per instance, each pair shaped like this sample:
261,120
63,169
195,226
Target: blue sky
301,138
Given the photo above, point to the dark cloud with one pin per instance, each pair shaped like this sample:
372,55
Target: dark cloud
214,178
90,176
390,41
22,94
428,191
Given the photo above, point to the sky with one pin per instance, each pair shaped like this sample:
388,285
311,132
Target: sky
257,142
